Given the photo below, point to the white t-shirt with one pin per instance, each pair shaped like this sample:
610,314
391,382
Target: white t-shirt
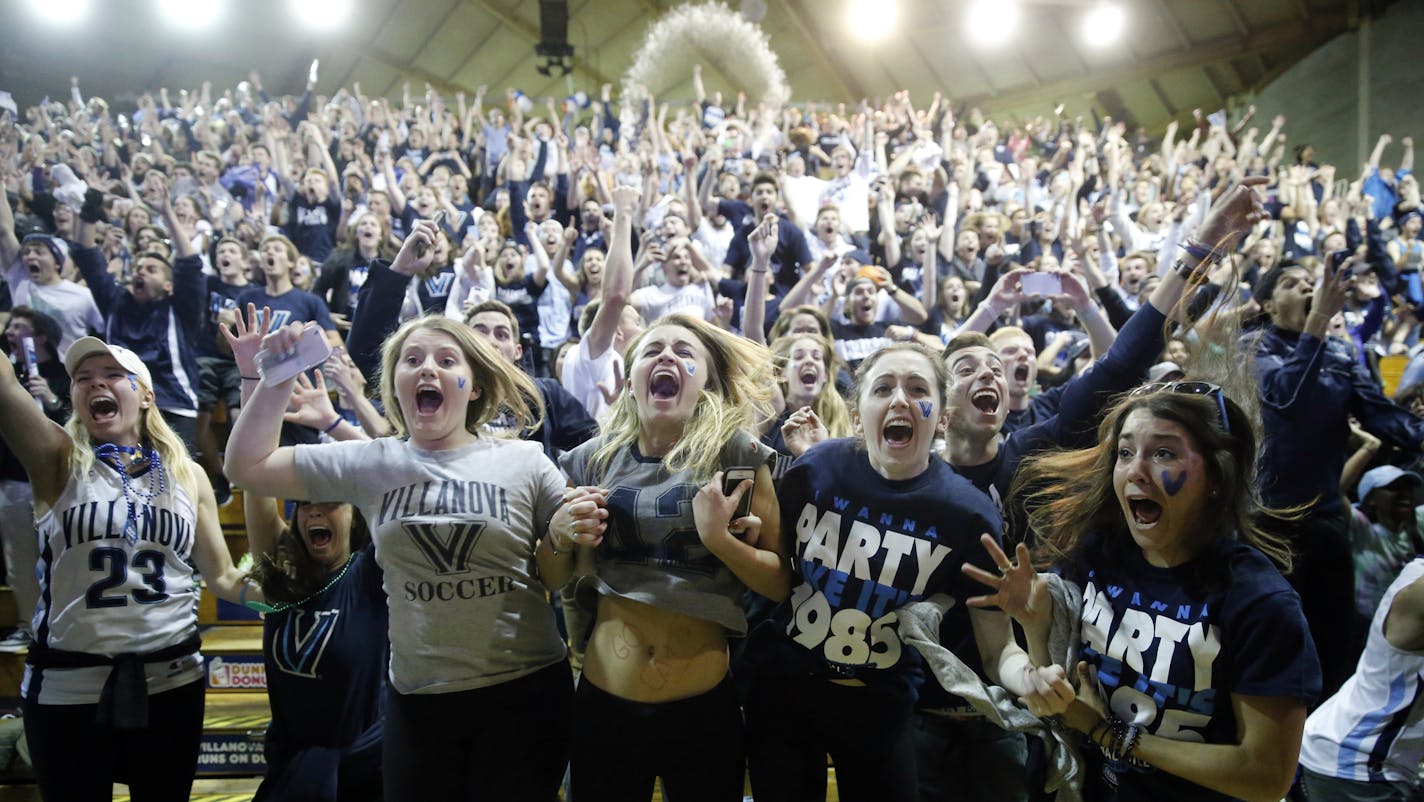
582,374
455,533
657,302
803,195
71,305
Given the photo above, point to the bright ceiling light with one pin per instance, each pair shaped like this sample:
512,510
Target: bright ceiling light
1103,25
871,20
61,12
191,14
321,14
992,22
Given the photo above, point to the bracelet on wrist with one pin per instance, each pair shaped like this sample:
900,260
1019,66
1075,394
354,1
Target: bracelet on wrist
333,425
1198,250
1189,271
251,378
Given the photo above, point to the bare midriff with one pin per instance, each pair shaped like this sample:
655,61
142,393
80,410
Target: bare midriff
645,654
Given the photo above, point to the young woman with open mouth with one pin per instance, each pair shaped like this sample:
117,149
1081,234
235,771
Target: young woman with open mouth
324,629
807,384
1158,525
1192,663
874,516
123,516
670,571
460,522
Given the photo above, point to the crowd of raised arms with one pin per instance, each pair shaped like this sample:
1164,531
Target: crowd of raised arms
992,458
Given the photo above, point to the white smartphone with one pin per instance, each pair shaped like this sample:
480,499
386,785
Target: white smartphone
1042,284
733,477
312,350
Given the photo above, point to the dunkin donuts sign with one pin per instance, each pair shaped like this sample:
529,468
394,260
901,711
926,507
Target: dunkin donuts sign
237,674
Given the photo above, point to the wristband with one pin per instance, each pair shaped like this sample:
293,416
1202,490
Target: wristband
1188,272
1198,250
333,425
251,378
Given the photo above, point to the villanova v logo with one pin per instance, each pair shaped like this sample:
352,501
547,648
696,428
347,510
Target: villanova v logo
446,545
439,285
299,643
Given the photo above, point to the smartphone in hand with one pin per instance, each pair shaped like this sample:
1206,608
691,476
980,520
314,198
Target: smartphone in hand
731,478
1042,284
312,350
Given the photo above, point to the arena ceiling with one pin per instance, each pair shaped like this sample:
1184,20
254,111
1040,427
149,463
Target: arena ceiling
1177,55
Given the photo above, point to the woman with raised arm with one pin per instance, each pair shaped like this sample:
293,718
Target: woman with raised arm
1193,664
324,632
673,562
126,521
461,523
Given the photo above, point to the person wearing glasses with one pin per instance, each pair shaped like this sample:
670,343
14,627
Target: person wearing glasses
1310,385
1193,662
1188,662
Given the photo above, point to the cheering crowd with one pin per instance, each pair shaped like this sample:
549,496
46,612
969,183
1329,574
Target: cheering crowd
992,458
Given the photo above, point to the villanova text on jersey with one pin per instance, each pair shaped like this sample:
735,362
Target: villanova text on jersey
1154,660
428,512
861,576
105,520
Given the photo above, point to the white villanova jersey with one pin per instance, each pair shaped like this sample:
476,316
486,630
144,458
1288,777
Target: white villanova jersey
102,594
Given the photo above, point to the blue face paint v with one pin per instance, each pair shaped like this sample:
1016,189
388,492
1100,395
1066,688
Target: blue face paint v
926,407
691,367
1173,486
460,382
133,382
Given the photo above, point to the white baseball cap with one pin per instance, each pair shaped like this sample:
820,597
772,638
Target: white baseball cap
85,347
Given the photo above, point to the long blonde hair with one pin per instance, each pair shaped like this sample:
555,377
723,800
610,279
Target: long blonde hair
829,405
502,385
153,428
735,401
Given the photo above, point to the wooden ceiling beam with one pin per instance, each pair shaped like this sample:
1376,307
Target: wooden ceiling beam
405,71
1162,97
1221,92
1183,41
1236,19
375,35
846,83
1279,36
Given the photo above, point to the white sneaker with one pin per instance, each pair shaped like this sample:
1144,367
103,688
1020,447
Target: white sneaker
17,641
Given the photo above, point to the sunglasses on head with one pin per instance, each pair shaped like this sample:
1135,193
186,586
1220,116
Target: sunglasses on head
1189,388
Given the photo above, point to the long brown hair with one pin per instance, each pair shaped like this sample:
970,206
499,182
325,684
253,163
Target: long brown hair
1070,494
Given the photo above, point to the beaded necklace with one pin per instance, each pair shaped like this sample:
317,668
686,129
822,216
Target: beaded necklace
157,479
267,609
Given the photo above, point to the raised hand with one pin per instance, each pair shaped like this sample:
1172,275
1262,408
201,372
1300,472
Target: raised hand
625,198
763,239
1008,291
802,430
1232,215
418,250
310,405
1018,588
612,391
245,338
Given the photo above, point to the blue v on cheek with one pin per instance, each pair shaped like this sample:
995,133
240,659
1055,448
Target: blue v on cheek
1173,486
